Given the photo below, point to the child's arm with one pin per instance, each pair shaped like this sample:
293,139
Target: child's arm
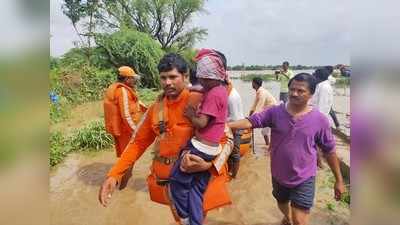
198,121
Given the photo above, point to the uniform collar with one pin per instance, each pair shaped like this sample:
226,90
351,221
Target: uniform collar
184,93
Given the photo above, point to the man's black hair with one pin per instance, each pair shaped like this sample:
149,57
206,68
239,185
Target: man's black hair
305,77
258,81
172,61
329,69
192,75
321,74
285,63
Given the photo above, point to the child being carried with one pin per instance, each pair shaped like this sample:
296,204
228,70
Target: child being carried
187,189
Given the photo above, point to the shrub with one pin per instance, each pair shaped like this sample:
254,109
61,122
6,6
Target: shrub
81,84
132,48
59,148
59,111
91,136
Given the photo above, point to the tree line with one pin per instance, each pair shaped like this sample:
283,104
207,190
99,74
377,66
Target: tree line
270,67
136,33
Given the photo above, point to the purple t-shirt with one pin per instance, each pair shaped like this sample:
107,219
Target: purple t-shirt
215,105
294,142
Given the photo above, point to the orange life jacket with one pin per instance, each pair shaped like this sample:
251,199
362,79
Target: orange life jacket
112,115
173,132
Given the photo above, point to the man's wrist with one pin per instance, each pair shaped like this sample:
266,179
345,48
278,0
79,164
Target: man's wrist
339,180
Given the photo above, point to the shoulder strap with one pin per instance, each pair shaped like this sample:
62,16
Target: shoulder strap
162,116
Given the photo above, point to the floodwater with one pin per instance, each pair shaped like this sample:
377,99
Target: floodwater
341,99
74,186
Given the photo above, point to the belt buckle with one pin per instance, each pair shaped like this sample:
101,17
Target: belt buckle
167,161
162,182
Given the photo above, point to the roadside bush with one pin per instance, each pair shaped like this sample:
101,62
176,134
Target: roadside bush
59,111
81,85
59,148
92,136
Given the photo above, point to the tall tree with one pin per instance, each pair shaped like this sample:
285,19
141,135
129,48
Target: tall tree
164,20
82,15
128,47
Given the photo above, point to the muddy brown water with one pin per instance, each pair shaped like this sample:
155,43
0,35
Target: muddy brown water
74,185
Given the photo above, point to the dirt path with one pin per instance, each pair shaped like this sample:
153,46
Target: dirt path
74,185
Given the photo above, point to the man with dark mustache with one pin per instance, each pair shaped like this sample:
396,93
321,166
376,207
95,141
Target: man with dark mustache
296,131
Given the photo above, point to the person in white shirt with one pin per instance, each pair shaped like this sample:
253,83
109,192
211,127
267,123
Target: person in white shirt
332,80
235,106
323,96
263,100
235,112
322,99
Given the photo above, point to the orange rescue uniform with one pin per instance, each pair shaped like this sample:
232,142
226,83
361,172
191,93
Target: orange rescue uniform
168,115
123,111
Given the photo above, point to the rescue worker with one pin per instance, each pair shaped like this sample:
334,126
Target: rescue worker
122,111
165,124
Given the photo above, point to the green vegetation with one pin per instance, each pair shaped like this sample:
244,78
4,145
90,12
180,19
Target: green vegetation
90,137
147,96
59,111
270,67
135,49
165,21
346,197
330,206
340,81
265,77
77,81
59,148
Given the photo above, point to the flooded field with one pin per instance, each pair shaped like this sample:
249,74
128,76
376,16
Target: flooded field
74,186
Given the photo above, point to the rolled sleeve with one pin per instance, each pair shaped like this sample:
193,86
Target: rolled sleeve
262,119
326,140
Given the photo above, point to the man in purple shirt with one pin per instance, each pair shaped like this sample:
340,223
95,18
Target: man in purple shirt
296,131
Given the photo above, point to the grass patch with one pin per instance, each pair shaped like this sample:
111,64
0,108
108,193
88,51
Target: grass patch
329,182
59,111
346,197
90,137
330,206
59,148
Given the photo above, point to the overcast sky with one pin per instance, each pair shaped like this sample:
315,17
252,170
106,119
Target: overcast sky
306,32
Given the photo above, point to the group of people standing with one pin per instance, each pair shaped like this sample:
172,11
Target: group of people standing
195,131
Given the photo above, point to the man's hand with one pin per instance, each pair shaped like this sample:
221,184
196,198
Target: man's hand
333,163
192,163
189,112
106,191
339,189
